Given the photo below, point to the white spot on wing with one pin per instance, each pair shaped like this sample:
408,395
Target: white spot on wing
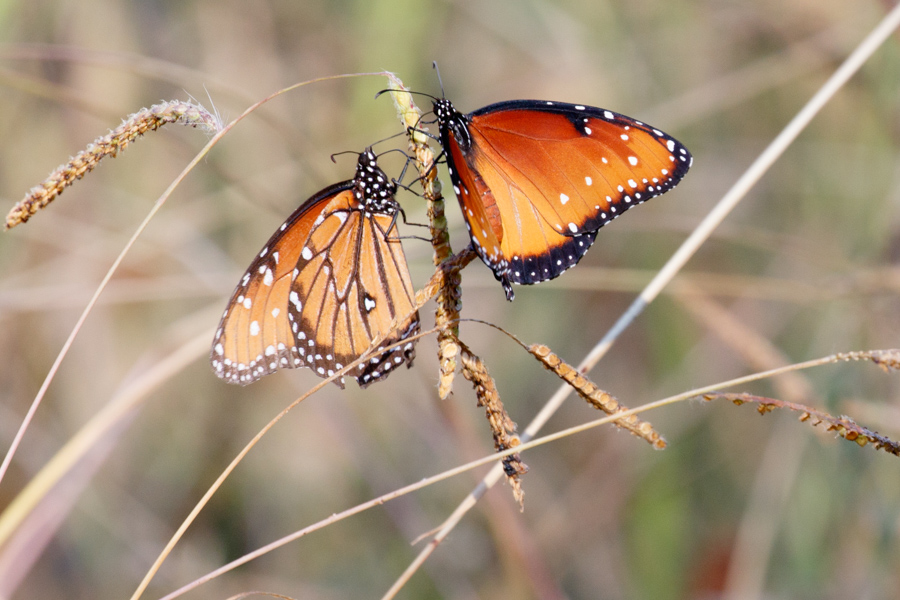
295,300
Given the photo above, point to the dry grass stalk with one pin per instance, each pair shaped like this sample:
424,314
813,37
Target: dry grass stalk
503,428
595,396
449,297
136,125
844,426
449,303
888,360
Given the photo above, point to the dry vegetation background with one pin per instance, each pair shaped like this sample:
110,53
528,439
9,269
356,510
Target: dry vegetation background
805,267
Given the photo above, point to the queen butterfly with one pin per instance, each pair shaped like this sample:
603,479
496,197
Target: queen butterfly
327,283
536,180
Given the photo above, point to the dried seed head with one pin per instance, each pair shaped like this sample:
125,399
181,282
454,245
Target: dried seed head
844,426
136,125
447,351
595,396
502,427
447,317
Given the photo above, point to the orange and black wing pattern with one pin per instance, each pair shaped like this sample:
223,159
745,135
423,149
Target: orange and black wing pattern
328,282
536,179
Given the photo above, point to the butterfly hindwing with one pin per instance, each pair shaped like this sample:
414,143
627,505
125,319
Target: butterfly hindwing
386,294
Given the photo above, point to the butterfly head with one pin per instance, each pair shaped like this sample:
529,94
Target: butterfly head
373,187
451,120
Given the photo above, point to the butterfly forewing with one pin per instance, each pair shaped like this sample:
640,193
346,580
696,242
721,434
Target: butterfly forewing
255,336
318,293
554,173
308,297
582,157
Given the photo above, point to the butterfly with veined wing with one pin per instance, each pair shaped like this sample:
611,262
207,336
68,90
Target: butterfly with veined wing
327,283
537,179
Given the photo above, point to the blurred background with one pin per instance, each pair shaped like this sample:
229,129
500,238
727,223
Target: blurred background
738,504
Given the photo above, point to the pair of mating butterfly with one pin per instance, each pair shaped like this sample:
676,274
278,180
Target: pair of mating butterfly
535,180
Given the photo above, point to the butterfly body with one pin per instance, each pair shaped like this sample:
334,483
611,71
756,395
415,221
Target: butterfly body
537,179
327,283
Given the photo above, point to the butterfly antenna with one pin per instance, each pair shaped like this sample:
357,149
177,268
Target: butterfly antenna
410,92
390,137
342,153
420,120
438,71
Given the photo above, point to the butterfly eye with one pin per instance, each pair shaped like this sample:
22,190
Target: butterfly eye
536,180
322,289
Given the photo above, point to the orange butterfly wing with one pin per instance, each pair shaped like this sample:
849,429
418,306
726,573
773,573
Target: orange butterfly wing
551,174
327,283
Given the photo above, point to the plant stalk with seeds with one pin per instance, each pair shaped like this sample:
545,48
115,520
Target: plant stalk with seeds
136,125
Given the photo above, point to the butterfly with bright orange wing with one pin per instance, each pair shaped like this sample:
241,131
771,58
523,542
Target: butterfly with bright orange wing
328,282
536,180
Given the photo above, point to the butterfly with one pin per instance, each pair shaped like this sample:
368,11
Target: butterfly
327,283
536,180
